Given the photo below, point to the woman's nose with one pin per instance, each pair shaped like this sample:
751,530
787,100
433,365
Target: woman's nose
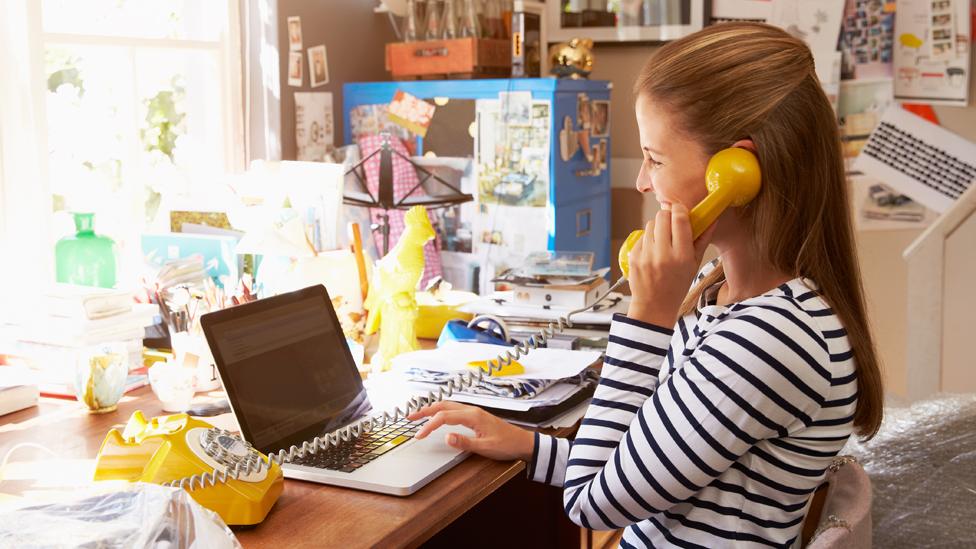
643,182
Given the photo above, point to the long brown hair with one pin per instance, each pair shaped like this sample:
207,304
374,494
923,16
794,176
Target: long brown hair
747,80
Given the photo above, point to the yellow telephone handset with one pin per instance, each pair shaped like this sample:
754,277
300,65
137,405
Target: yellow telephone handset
170,449
732,177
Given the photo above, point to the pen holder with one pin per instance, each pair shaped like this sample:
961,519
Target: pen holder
191,351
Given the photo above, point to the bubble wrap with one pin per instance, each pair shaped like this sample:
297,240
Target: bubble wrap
922,466
139,515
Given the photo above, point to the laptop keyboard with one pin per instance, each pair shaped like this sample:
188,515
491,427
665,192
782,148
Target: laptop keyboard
350,455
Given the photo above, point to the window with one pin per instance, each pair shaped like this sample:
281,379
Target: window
142,101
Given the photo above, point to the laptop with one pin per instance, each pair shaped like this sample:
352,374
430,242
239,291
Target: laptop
289,377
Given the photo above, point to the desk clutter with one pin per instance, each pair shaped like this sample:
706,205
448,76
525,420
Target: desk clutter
89,341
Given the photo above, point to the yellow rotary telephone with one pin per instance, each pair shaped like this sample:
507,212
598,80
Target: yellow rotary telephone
241,484
225,474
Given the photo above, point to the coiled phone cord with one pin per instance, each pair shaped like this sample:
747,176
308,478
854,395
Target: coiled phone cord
461,381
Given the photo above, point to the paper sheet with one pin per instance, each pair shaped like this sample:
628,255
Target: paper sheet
932,52
539,364
314,125
816,22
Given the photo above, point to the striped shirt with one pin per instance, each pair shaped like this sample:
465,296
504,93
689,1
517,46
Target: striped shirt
714,433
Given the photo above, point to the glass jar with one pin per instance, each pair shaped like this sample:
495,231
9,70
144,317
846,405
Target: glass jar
86,259
100,375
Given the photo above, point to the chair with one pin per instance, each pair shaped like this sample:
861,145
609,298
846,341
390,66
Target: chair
845,519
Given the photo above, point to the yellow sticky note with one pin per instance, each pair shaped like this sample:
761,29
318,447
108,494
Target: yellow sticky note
512,369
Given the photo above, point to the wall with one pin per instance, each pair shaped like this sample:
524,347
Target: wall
884,270
354,38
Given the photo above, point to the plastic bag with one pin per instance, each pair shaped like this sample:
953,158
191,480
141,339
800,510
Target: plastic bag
139,515
922,466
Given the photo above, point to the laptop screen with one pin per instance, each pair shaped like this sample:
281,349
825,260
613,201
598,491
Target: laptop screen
286,368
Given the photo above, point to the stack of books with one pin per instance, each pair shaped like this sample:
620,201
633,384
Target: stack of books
548,286
51,330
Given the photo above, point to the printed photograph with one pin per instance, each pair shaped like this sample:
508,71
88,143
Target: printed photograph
295,76
295,33
318,67
601,118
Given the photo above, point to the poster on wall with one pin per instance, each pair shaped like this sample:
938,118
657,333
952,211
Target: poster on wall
512,159
861,105
505,235
314,125
932,54
867,39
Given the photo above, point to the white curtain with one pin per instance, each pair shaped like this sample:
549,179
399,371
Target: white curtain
26,255
262,88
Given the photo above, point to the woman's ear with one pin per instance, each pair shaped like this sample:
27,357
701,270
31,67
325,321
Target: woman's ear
746,144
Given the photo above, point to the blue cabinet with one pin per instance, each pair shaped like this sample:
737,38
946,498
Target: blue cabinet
578,200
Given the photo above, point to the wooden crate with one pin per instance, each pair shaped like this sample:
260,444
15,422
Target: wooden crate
458,58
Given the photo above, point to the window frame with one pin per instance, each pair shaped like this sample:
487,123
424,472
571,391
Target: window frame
229,60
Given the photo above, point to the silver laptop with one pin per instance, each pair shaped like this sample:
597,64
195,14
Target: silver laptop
289,377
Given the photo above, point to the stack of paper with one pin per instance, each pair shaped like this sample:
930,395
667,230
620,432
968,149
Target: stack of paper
51,329
18,389
556,372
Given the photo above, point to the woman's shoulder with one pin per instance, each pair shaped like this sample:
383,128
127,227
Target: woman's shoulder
787,326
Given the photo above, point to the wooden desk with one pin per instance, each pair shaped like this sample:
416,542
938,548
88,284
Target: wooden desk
309,514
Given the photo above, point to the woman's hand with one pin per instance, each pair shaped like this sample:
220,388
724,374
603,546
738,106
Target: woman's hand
663,265
494,438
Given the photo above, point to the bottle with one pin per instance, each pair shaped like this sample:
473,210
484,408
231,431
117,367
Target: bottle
450,20
411,31
434,24
86,259
469,20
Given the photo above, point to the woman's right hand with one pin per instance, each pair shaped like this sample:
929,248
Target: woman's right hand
494,437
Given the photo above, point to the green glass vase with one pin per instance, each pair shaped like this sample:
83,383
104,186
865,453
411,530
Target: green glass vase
86,259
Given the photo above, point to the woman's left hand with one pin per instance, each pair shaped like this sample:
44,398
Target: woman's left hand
663,265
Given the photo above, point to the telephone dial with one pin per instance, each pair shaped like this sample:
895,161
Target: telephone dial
224,473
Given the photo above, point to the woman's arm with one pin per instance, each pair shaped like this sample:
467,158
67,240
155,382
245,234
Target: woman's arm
633,360
630,368
755,377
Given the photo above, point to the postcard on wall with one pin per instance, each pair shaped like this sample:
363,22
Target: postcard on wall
314,125
295,33
411,112
867,39
512,161
600,113
933,51
318,66
295,69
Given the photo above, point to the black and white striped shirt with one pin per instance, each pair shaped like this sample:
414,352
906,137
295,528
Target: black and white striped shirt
714,433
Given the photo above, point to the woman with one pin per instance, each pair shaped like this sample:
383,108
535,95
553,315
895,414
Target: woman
719,410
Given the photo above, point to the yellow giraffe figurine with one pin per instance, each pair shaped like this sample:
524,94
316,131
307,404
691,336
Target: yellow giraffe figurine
391,300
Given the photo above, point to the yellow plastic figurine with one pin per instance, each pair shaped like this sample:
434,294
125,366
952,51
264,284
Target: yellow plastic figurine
391,300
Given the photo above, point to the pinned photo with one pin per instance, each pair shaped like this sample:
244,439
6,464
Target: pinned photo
296,70
318,66
295,33
583,114
601,118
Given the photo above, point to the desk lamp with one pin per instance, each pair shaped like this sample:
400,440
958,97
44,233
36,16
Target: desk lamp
385,199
